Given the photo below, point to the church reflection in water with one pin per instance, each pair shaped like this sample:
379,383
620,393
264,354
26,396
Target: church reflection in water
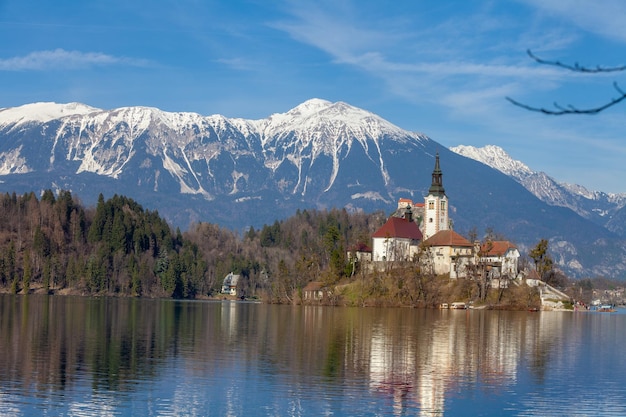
452,352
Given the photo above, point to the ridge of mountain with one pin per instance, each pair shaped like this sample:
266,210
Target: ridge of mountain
240,173
42,112
605,209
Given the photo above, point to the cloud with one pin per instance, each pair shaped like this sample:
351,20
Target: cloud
60,59
334,31
388,50
605,18
239,63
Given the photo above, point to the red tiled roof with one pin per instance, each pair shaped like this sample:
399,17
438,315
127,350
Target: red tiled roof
447,238
400,228
498,247
360,247
410,202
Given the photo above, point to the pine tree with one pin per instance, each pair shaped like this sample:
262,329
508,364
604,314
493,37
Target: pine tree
543,261
97,226
28,272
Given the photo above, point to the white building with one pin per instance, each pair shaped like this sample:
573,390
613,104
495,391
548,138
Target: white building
397,240
229,286
450,253
502,257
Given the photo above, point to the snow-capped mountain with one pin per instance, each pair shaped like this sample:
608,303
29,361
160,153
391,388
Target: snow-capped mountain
602,208
104,142
237,172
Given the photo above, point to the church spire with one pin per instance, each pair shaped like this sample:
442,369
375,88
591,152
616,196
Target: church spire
436,188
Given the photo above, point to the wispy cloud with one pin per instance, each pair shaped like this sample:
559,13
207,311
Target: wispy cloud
239,63
334,32
421,62
605,18
60,59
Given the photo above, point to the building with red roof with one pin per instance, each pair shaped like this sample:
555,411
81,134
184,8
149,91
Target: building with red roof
501,256
396,240
450,253
360,253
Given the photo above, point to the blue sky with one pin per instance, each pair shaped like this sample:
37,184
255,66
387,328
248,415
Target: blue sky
439,68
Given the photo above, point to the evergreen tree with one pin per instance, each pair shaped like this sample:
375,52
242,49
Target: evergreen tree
28,272
96,229
543,261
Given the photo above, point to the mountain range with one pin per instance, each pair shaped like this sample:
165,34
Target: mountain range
607,210
240,173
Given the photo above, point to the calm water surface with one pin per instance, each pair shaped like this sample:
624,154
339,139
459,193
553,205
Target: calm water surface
72,356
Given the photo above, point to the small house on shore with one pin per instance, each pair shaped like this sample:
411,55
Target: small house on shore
314,291
229,286
502,257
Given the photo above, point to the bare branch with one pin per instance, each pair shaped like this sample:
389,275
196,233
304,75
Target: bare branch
569,109
576,67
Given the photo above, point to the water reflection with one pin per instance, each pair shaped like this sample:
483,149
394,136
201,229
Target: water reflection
94,356
444,353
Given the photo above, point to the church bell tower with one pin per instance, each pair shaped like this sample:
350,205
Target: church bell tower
436,205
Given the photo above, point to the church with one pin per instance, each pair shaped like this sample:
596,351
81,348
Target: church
428,224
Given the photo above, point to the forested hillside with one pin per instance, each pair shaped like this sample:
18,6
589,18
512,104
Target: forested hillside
55,244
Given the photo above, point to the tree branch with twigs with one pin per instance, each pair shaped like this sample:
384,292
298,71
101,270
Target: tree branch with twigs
570,109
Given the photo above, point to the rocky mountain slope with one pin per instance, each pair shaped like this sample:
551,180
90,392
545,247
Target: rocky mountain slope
607,210
240,173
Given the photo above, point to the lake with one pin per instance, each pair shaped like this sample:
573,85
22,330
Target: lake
74,356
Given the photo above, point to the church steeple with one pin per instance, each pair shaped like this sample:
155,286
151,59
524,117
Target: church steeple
436,188
436,205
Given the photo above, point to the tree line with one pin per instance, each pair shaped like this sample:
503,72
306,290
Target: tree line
56,244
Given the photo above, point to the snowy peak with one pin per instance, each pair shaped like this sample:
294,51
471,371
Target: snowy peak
141,118
42,112
597,206
538,183
309,107
495,157
316,116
